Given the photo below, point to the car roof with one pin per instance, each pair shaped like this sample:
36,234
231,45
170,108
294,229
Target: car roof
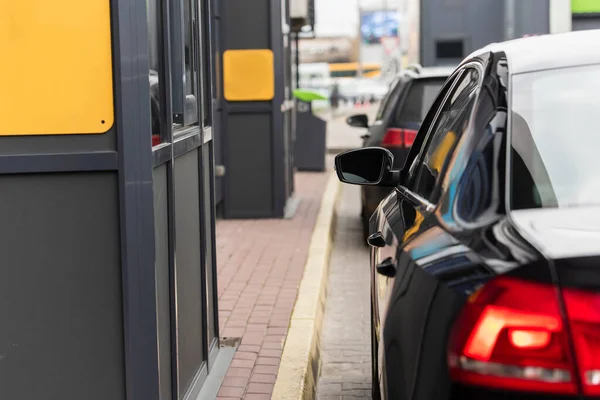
549,51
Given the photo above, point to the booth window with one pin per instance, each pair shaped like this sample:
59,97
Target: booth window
449,49
184,60
154,55
187,53
206,64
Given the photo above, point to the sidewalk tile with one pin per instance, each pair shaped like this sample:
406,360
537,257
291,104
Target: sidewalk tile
260,264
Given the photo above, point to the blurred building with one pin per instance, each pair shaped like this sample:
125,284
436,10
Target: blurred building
443,32
328,50
585,14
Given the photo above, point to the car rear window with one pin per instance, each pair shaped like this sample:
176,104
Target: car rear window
395,86
420,97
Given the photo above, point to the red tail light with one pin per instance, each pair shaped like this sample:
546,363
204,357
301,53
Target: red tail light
396,137
155,140
583,309
510,336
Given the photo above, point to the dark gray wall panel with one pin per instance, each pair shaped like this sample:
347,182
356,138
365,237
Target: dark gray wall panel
188,267
532,17
208,237
245,16
161,226
61,335
586,22
249,178
475,22
58,144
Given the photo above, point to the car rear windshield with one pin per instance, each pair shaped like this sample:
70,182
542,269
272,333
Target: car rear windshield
395,86
555,138
420,97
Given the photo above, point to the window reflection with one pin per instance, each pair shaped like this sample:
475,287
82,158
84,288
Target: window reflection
189,67
154,53
451,123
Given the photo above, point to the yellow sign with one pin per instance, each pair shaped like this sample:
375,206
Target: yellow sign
248,75
56,67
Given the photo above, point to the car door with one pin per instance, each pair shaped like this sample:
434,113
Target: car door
413,234
388,223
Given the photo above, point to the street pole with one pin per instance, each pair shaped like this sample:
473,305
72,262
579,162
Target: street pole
297,50
384,55
509,11
359,70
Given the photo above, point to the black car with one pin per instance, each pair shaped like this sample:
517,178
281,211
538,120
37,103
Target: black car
397,121
486,256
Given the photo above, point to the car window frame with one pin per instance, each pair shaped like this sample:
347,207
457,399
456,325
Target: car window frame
450,90
391,100
495,117
414,152
402,99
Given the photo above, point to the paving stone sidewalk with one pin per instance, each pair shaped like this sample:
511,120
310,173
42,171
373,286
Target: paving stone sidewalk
346,335
260,266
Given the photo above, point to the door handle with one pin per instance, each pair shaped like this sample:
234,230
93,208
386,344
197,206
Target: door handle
387,267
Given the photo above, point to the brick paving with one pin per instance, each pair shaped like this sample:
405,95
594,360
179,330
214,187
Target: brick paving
260,266
346,335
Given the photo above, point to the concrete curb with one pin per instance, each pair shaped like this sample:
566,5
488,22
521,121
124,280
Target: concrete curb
299,368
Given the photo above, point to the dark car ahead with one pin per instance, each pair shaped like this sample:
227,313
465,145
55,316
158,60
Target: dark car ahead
486,256
397,121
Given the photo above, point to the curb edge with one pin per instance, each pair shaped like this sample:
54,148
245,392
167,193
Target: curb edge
300,361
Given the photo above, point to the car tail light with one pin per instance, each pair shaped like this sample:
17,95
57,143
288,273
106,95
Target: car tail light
396,137
510,335
155,140
583,310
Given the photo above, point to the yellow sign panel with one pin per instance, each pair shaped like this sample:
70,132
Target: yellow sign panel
55,67
248,75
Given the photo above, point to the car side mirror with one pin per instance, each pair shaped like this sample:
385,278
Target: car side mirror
367,166
358,121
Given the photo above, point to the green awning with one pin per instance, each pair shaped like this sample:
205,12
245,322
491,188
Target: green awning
585,6
308,96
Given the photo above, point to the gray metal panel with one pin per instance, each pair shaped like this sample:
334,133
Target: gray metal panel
62,330
32,163
188,268
219,158
210,265
248,23
163,302
132,108
280,136
581,23
256,26
532,17
249,179
475,22
59,144
311,141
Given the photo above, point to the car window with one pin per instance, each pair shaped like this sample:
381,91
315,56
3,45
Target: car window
407,172
420,97
395,88
450,123
554,138
479,180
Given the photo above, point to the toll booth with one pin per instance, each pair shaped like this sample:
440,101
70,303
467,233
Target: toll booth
256,109
108,279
